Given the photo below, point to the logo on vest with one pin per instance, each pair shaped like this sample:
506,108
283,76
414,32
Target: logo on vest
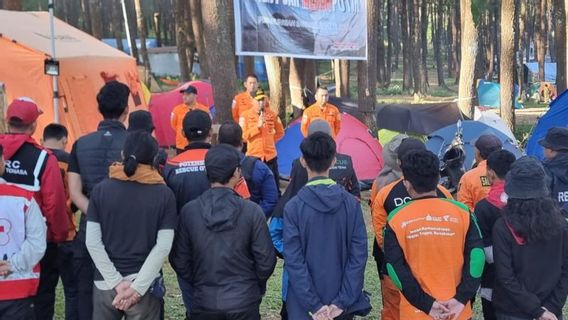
400,201
5,228
563,196
15,167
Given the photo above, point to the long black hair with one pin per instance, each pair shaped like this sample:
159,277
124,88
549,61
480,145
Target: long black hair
534,219
139,148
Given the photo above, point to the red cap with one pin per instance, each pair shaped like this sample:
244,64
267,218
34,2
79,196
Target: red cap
23,109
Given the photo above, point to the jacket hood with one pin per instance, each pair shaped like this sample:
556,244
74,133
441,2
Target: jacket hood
558,166
322,195
391,170
13,142
497,195
220,208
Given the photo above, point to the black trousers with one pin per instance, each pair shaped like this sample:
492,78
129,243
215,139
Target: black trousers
21,309
273,165
67,274
44,301
488,310
84,273
252,313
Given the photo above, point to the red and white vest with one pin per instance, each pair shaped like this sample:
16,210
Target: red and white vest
14,204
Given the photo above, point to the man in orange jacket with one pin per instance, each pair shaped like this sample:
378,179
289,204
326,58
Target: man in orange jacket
245,100
322,110
261,130
474,184
189,104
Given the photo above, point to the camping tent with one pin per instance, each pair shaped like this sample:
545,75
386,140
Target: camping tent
354,139
417,118
162,104
440,140
488,94
491,119
85,64
557,116
549,70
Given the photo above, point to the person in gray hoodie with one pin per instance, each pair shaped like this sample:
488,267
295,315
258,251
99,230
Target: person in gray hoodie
222,246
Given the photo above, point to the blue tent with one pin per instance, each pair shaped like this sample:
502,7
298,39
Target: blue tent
440,140
557,116
488,94
289,148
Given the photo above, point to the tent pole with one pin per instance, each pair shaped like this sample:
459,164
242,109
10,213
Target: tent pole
54,57
126,26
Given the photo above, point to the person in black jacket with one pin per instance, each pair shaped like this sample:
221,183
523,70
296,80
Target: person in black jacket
556,153
530,248
222,247
488,211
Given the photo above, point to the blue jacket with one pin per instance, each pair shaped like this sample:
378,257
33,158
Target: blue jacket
262,188
325,250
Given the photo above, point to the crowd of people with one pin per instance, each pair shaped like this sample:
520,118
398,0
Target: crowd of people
216,213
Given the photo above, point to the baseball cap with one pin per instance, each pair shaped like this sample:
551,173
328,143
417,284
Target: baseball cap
221,161
189,89
196,124
486,144
24,110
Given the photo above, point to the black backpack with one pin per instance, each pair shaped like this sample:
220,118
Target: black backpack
247,167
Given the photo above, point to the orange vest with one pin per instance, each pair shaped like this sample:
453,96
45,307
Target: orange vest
72,225
261,142
474,186
178,113
243,102
431,232
329,113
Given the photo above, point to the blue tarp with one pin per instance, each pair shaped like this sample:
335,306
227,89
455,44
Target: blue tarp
488,94
289,148
557,116
440,140
549,70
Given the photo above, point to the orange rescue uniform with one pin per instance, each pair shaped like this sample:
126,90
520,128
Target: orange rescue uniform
329,113
261,142
474,186
176,121
242,103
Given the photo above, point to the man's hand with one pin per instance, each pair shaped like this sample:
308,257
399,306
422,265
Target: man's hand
120,292
322,314
5,268
547,315
455,308
439,311
334,311
131,297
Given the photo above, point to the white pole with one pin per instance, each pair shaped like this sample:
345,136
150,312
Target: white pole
127,27
54,57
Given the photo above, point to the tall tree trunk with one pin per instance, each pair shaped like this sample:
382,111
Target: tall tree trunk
457,31
310,74
406,46
197,24
341,72
439,27
522,43
217,31
181,39
96,16
190,37
380,44
540,38
117,24
296,82
249,65
390,43
132,24
450,44
86,16
158,27
416,35
15,5
274,72
367,70
507,68
397,43
424,43
469,52
561,51
140,20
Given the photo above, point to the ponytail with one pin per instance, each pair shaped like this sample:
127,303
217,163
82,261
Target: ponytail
139,148
130,165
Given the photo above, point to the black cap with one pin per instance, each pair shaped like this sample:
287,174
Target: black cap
221,162
189,89
487,144
556,139
140,120
409,144
196,124
526,180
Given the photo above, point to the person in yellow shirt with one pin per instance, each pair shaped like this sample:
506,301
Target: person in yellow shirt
261,130
322,110
178,113
474,184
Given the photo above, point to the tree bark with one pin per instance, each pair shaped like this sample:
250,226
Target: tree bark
86,16
424,43
380,44
439,27
540,38
249,65
417,58
96,16
457,34
117,24
181,40
158,27
197,24
141,24
390,43
132,24
561,51
367,70
190,37
296,81
344,66
274,72
15,5
406,46
217,31
507,68
310,74
469,48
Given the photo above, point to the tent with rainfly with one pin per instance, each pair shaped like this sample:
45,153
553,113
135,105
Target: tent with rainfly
162,104
354,139
85,65
557,116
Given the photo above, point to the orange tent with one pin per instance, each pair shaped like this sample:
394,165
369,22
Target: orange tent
85,64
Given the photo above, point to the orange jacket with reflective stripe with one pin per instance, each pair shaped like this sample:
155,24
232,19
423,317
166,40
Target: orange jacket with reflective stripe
261,142
329,113
242,103
474,186
176,121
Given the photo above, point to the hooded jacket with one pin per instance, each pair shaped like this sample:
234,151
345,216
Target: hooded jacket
31,167
325,250
223,249
557,170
